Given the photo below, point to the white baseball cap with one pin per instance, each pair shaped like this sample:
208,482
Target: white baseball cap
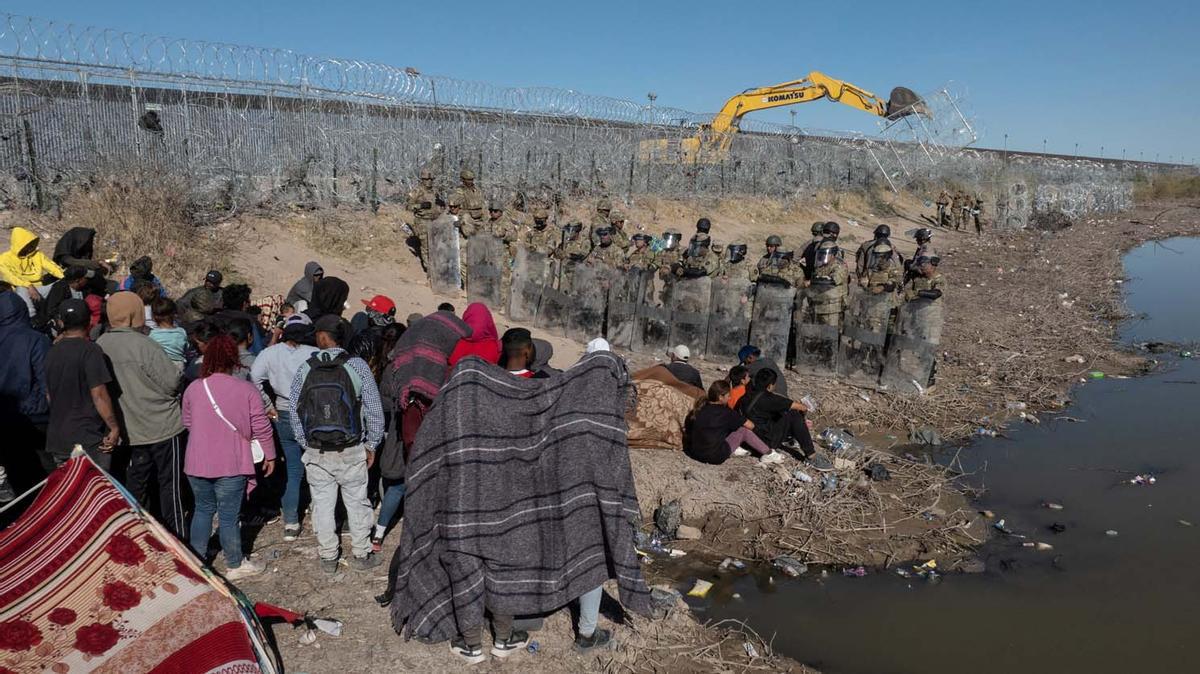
681,352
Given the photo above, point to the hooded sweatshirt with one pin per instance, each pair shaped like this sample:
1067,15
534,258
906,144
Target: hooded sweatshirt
23,265
22,364
483,342
303,289
328,297
76,248
146,378
142,269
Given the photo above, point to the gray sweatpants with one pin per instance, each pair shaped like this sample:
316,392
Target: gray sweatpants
328,473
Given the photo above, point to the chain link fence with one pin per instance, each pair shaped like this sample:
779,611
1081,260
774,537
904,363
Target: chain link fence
249,127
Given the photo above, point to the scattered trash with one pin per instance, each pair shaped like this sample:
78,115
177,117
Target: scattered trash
1095,374
927,566
987,514
999,526
688,533
700,588
856,572
274,554
750,649
903,573
1074,359
731,563
1057,528
878,472
1015,406
866,398
1185,354
928,516
925,436
843,464
1146,479
533,646
1030,419
985,432
1111,533
1052,506
1038,546
801,475
837,440
790,566
1185,523
829,483
735,595
308,637
663,599
809,402
676,553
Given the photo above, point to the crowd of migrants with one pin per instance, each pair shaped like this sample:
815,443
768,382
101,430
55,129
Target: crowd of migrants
644,293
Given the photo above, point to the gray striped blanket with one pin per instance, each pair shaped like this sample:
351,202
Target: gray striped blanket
520,497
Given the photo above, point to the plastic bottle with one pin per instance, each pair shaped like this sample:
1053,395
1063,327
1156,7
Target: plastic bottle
1016,406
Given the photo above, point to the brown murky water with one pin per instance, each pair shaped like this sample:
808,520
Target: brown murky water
1095,603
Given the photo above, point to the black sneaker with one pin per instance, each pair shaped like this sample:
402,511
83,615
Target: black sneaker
502,648
473,655
599,639
371,561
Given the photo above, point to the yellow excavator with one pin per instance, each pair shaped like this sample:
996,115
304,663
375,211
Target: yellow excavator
711,144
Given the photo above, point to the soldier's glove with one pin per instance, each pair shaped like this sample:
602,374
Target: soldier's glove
930,294
889,287
426,205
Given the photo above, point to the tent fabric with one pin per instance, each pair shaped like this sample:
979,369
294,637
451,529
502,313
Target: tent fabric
90,584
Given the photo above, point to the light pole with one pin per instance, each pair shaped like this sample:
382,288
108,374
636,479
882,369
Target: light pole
1006,148
1076,153
1043,146
793,111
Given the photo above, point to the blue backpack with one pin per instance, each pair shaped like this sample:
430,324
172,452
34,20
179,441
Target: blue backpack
330,406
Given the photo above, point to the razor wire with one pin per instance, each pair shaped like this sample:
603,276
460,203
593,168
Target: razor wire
256,124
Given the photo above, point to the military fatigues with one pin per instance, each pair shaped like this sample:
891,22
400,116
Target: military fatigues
544,240
737,271
472,201
943,201
599,220
956,206
777,267
508,231
827,293
921,282
422,215
977,214
699,266
611,255
569,254
641,258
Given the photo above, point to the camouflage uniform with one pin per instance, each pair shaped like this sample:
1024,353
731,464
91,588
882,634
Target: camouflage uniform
600,219
471,198
776,266
611,255
921,282
570,253
424,193
956,205
943,201
977,214
706,263
827,292
641,258
616,221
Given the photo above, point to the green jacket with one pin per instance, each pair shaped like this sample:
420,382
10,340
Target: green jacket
148,381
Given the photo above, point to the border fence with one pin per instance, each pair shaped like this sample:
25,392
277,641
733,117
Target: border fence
249,126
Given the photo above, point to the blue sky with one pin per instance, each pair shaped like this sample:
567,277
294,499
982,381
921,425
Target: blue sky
1122,75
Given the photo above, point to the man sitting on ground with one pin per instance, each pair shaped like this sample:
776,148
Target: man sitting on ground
679,366
751,357
517,352
779,421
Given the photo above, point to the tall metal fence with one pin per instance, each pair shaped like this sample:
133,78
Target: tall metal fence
248,125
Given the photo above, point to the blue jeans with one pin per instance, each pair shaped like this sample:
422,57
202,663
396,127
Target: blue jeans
589,611
293,465
393,496
221,496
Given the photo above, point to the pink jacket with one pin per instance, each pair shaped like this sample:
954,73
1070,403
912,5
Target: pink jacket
213,449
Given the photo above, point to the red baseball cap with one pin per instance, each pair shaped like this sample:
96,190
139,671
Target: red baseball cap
380,304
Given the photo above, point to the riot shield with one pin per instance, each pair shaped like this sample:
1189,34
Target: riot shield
689,313
729,316
864,336
585,317
816,342
624,297
653,327
552,313
772,322
528,276
443,261
485,256
912,352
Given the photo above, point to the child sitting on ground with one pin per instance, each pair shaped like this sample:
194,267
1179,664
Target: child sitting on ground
713,432
172,338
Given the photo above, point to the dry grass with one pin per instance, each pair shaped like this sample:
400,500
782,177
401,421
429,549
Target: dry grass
1166,186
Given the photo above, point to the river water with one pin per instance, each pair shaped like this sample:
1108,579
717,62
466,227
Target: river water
1095,603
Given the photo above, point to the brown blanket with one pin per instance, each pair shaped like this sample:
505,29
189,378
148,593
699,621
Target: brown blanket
663,403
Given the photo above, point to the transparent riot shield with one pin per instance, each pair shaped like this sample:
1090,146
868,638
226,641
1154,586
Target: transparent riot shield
729,317
528,277
864,335
653,326
443,261
589,300
689,313
772,321
912,352
552,313
816,338
486,256
624,297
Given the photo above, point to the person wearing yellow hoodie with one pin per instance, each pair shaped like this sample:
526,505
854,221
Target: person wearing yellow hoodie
26,268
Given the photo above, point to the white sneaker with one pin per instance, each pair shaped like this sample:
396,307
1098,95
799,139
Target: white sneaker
741,452
246,569
773,457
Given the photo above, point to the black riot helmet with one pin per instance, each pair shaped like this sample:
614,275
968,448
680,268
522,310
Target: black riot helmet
924,234
703,226
882,232
880,254
831,230
818,228
573,229
671,239
641,236
737,252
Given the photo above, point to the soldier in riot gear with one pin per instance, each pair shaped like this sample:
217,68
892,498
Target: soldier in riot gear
640,256
470,196
733,262
827,289
883,274
943,202
775,266
426,205
573,250
607,251
927,283
540,236
862,257
924,237
810,249
669,256
602,217
617,225
977,215
704,226
699,260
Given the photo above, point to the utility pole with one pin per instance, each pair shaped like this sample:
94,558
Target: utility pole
793,111
1076,152
1043,146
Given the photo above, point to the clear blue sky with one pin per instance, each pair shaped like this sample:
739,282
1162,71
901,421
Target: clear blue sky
1117,74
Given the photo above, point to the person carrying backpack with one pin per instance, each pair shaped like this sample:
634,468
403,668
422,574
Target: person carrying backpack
337,418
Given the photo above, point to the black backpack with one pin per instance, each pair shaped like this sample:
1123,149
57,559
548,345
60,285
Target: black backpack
330,406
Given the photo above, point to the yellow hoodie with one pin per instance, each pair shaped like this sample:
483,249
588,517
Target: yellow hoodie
24,265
